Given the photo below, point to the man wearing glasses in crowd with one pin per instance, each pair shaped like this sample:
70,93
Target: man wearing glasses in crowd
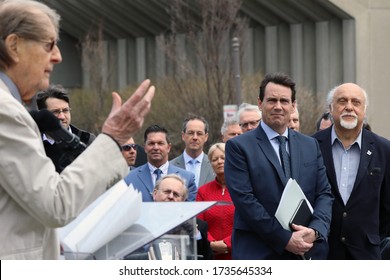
129,151
195,133
249,117
56,100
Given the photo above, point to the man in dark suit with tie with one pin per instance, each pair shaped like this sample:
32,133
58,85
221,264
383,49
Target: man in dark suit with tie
358,168
157,147
256,178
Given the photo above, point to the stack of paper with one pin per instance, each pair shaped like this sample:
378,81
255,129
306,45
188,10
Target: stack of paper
107,217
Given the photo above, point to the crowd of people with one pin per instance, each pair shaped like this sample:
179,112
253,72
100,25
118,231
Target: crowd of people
343,169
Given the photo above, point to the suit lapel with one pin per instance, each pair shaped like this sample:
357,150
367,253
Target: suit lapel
324,140
366,154
145,177
204,170
269,153
180,162
295,155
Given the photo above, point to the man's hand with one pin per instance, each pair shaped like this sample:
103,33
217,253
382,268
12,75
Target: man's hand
301,240
125,120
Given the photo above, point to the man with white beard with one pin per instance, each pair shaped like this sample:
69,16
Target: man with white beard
358,169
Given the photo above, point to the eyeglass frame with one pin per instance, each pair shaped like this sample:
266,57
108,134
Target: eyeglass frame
49,45
128,147
193,133
65,111
252,123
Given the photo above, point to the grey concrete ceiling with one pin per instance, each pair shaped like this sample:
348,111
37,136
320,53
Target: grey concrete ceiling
142,18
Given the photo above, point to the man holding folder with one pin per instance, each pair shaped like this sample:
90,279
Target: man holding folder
258,165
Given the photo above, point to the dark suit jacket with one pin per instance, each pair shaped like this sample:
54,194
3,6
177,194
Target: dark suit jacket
206,171
256,181
203,245
62,157
142,181
357,227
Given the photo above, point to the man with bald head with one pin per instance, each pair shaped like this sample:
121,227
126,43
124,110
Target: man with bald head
358,170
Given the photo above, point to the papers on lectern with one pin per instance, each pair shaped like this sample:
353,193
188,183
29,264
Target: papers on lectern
107,217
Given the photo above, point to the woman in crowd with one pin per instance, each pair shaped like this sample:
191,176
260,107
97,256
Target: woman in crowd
220,216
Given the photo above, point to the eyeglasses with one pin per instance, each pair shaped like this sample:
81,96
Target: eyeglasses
252,123
128,147
57,112
49,45
193,133
168,192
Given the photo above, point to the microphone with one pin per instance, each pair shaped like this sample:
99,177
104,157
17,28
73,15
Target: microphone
51,126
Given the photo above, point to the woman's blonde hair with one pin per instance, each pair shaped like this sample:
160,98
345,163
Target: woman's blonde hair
214,147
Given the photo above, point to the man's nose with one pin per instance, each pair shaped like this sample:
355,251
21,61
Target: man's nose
56,56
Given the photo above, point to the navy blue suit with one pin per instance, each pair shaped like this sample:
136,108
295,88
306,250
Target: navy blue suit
357,228
256,180
142,181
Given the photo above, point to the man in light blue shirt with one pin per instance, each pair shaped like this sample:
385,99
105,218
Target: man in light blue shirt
358,169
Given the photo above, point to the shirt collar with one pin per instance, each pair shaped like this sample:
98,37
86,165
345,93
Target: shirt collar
163,168
271,134
187,157
333,137
11,86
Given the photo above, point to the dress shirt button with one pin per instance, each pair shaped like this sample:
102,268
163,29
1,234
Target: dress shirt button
343,239
344,214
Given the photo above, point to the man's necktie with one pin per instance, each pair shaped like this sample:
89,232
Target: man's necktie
284,157
158,173
192,165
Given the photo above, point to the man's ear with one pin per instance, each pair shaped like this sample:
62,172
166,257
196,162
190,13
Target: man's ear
12,43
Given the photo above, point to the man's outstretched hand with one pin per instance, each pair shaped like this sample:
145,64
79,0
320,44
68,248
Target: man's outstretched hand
126,119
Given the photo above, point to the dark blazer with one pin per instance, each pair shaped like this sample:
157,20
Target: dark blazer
256,181
61,156
358,227
206,171
203,245
142,181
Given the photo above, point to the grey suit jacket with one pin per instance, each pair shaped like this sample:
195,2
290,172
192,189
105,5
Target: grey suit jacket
206,171
34,198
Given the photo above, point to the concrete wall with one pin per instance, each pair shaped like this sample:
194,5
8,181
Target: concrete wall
372,19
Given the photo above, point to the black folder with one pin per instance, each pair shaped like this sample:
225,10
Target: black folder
302,215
